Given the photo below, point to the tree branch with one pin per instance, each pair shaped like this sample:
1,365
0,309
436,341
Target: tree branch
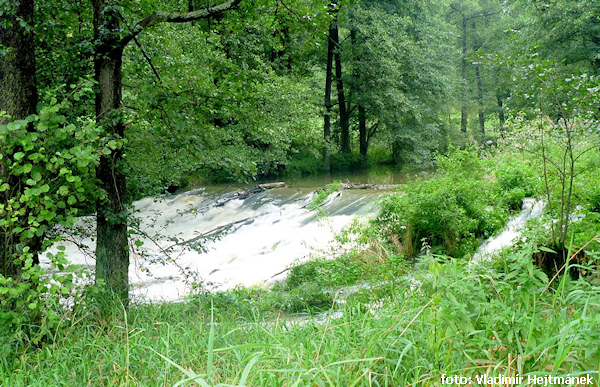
176,17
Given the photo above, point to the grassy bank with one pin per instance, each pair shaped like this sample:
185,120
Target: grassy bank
381,315
451,317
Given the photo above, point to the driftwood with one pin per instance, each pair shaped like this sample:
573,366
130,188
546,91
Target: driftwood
244,193
349,185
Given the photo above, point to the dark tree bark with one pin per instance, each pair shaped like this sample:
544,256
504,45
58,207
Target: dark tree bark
327,115
500,113
397,152
18,97
112,252
363,144
362,130
344,126
18,93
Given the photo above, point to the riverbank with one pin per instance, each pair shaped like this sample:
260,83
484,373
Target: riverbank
382,313
502,318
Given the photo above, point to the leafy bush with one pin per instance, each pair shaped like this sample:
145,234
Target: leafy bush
49,177
451,212
348,161
516,181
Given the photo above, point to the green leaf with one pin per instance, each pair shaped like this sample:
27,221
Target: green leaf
543,248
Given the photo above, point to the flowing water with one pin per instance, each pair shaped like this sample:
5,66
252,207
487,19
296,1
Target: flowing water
208,236
531,209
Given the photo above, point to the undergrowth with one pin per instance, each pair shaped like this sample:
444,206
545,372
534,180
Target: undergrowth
369,317
451,317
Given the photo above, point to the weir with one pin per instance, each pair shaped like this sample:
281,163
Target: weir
198,238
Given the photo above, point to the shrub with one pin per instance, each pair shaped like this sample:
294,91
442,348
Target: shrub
451,212
516,181
348,161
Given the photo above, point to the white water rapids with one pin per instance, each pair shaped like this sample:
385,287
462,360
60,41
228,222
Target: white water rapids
531,209
257,238
253,240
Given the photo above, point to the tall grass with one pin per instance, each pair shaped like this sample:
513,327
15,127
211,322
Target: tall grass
450,317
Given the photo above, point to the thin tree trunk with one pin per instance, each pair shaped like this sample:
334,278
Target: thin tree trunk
362,113
112,253
501,118
327,115
362,130
480,100
344,127
18,97
397,152
463,72
477,68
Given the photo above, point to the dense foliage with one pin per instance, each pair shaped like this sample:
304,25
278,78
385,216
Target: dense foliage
48,183
454,209
501,98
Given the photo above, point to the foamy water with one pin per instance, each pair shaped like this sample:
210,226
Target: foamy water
254,239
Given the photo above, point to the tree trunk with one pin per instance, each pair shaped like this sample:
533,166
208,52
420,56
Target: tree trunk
480,100
500,113
463,72
18,93
344,127
112,252
18,97
363,144
362,130
477,68
327,115
397,152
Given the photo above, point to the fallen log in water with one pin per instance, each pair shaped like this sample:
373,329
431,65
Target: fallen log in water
349,185
244,193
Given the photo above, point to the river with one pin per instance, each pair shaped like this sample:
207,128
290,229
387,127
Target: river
206,238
